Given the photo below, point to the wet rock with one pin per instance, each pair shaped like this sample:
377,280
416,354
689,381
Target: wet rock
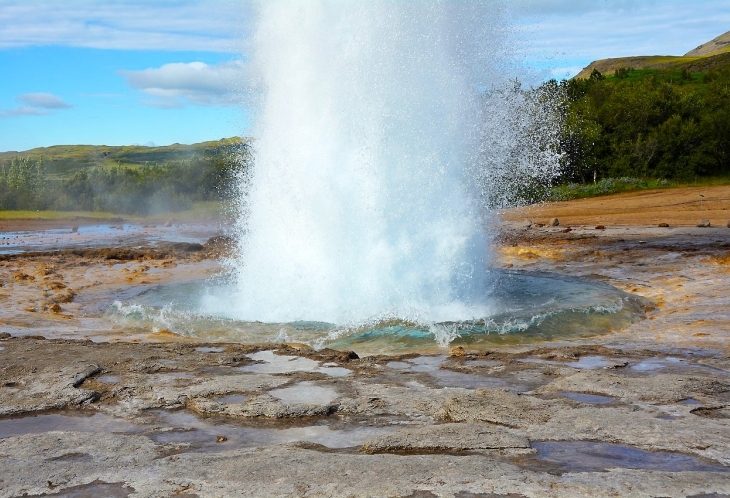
660,388
264,406
554,222
704,223
64,297
496,406
663,225
23,277
526,223
55,308
30,309
600,227
728,224
4,335
448,437
457,351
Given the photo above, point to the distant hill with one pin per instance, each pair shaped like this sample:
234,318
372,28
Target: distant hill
62,160
714,54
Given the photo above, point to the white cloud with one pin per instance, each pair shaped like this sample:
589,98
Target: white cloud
23,111
43,100
35,104
123,24
177,84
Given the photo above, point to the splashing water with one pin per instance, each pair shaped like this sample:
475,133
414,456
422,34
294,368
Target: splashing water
367,199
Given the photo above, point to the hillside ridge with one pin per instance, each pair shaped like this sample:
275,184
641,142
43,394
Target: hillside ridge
711,55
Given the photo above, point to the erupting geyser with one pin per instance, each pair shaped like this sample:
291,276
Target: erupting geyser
364,203
384,132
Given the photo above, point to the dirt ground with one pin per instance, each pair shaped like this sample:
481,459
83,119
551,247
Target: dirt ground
643,411
676,207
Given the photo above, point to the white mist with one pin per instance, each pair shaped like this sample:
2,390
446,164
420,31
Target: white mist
362,204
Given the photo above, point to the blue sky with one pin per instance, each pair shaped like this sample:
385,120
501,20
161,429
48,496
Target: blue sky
120,72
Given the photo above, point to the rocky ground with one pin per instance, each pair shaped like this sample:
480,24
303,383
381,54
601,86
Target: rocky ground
644,411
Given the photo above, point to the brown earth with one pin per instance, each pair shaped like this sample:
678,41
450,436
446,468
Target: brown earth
676,207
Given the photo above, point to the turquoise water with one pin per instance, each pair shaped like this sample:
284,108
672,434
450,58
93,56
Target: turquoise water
528,307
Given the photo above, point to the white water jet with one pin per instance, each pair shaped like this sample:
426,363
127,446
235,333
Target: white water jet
366,199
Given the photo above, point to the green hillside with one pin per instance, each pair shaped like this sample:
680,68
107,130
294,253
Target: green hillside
131,179
60,161
712,55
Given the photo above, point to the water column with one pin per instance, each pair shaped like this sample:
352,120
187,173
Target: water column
362,204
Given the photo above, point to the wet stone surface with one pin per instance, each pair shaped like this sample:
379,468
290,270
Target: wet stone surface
160,418
644,412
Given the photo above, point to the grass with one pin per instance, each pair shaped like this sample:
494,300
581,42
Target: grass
201,211
55,215
608,186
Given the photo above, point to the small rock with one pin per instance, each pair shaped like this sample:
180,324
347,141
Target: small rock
567,230
29,309
663,225
704,223
554,222
600,227
728,224
457,351
221,439
54,308
74,229
527,223
5,335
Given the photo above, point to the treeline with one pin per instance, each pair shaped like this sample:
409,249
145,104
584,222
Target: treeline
130,189
658,124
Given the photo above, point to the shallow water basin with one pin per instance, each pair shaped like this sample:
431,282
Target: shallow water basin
95,490
205,434
209,350
232,398
108,379
584,456
274,363
587,398
305,393
76,422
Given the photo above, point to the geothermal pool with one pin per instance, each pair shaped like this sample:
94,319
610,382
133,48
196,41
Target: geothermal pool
527,307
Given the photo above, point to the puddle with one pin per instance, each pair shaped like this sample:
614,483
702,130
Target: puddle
449,378
426,363
202,434
583,363
95,490
177,376
399,365
108,379
274,363
37,424
594,362
482,363
583,456
232,398
652,364
446,378
209,350
587,398
693,402
305,393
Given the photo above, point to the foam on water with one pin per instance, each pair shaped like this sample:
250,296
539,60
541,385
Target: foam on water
366,200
